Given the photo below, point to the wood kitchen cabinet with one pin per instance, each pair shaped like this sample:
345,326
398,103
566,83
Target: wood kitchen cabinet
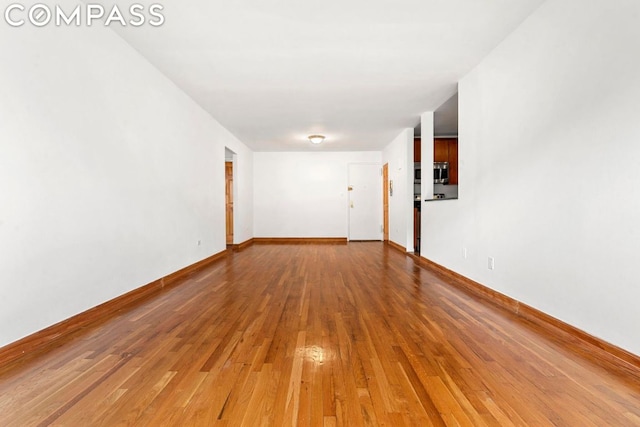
441,150
446,150
417,150
453,162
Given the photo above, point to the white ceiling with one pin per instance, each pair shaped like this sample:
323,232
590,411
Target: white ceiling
357,71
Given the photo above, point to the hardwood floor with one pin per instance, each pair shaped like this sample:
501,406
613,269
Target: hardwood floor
329,335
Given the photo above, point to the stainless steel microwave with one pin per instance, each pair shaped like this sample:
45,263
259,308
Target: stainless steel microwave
441,172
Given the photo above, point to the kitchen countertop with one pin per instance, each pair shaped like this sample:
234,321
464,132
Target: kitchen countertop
438,200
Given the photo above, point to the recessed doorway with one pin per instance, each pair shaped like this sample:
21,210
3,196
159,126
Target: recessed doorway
228,192
385,202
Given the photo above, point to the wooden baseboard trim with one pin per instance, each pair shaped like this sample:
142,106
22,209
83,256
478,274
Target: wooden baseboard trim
44,338
245,244
299,240
396,246
241,246
172,278
611,354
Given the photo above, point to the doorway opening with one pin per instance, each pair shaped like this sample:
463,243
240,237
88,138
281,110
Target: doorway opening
229,157
385,202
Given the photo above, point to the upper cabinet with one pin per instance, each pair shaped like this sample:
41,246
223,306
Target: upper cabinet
446,150
416,150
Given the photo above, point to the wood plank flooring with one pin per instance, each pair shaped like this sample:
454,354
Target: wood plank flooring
315,335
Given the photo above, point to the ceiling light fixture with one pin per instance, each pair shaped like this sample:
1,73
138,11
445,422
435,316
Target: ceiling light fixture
316,139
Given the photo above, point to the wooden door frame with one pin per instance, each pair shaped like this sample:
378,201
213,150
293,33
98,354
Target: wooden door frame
229,226
385,202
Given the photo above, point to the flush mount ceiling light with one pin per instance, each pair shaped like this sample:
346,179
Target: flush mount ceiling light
316,139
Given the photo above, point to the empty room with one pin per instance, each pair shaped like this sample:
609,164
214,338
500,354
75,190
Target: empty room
363,213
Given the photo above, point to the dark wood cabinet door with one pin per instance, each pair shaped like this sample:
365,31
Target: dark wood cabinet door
446,150
440,150
453,162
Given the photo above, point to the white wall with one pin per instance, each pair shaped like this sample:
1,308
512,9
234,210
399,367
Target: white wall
427,156
302,194
109,175
549,147
399,155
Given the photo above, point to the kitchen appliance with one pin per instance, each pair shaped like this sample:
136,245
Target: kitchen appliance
441,172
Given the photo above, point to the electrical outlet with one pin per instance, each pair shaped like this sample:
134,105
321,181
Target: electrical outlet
491,263
199,242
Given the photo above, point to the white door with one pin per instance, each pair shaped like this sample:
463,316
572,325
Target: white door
365,201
